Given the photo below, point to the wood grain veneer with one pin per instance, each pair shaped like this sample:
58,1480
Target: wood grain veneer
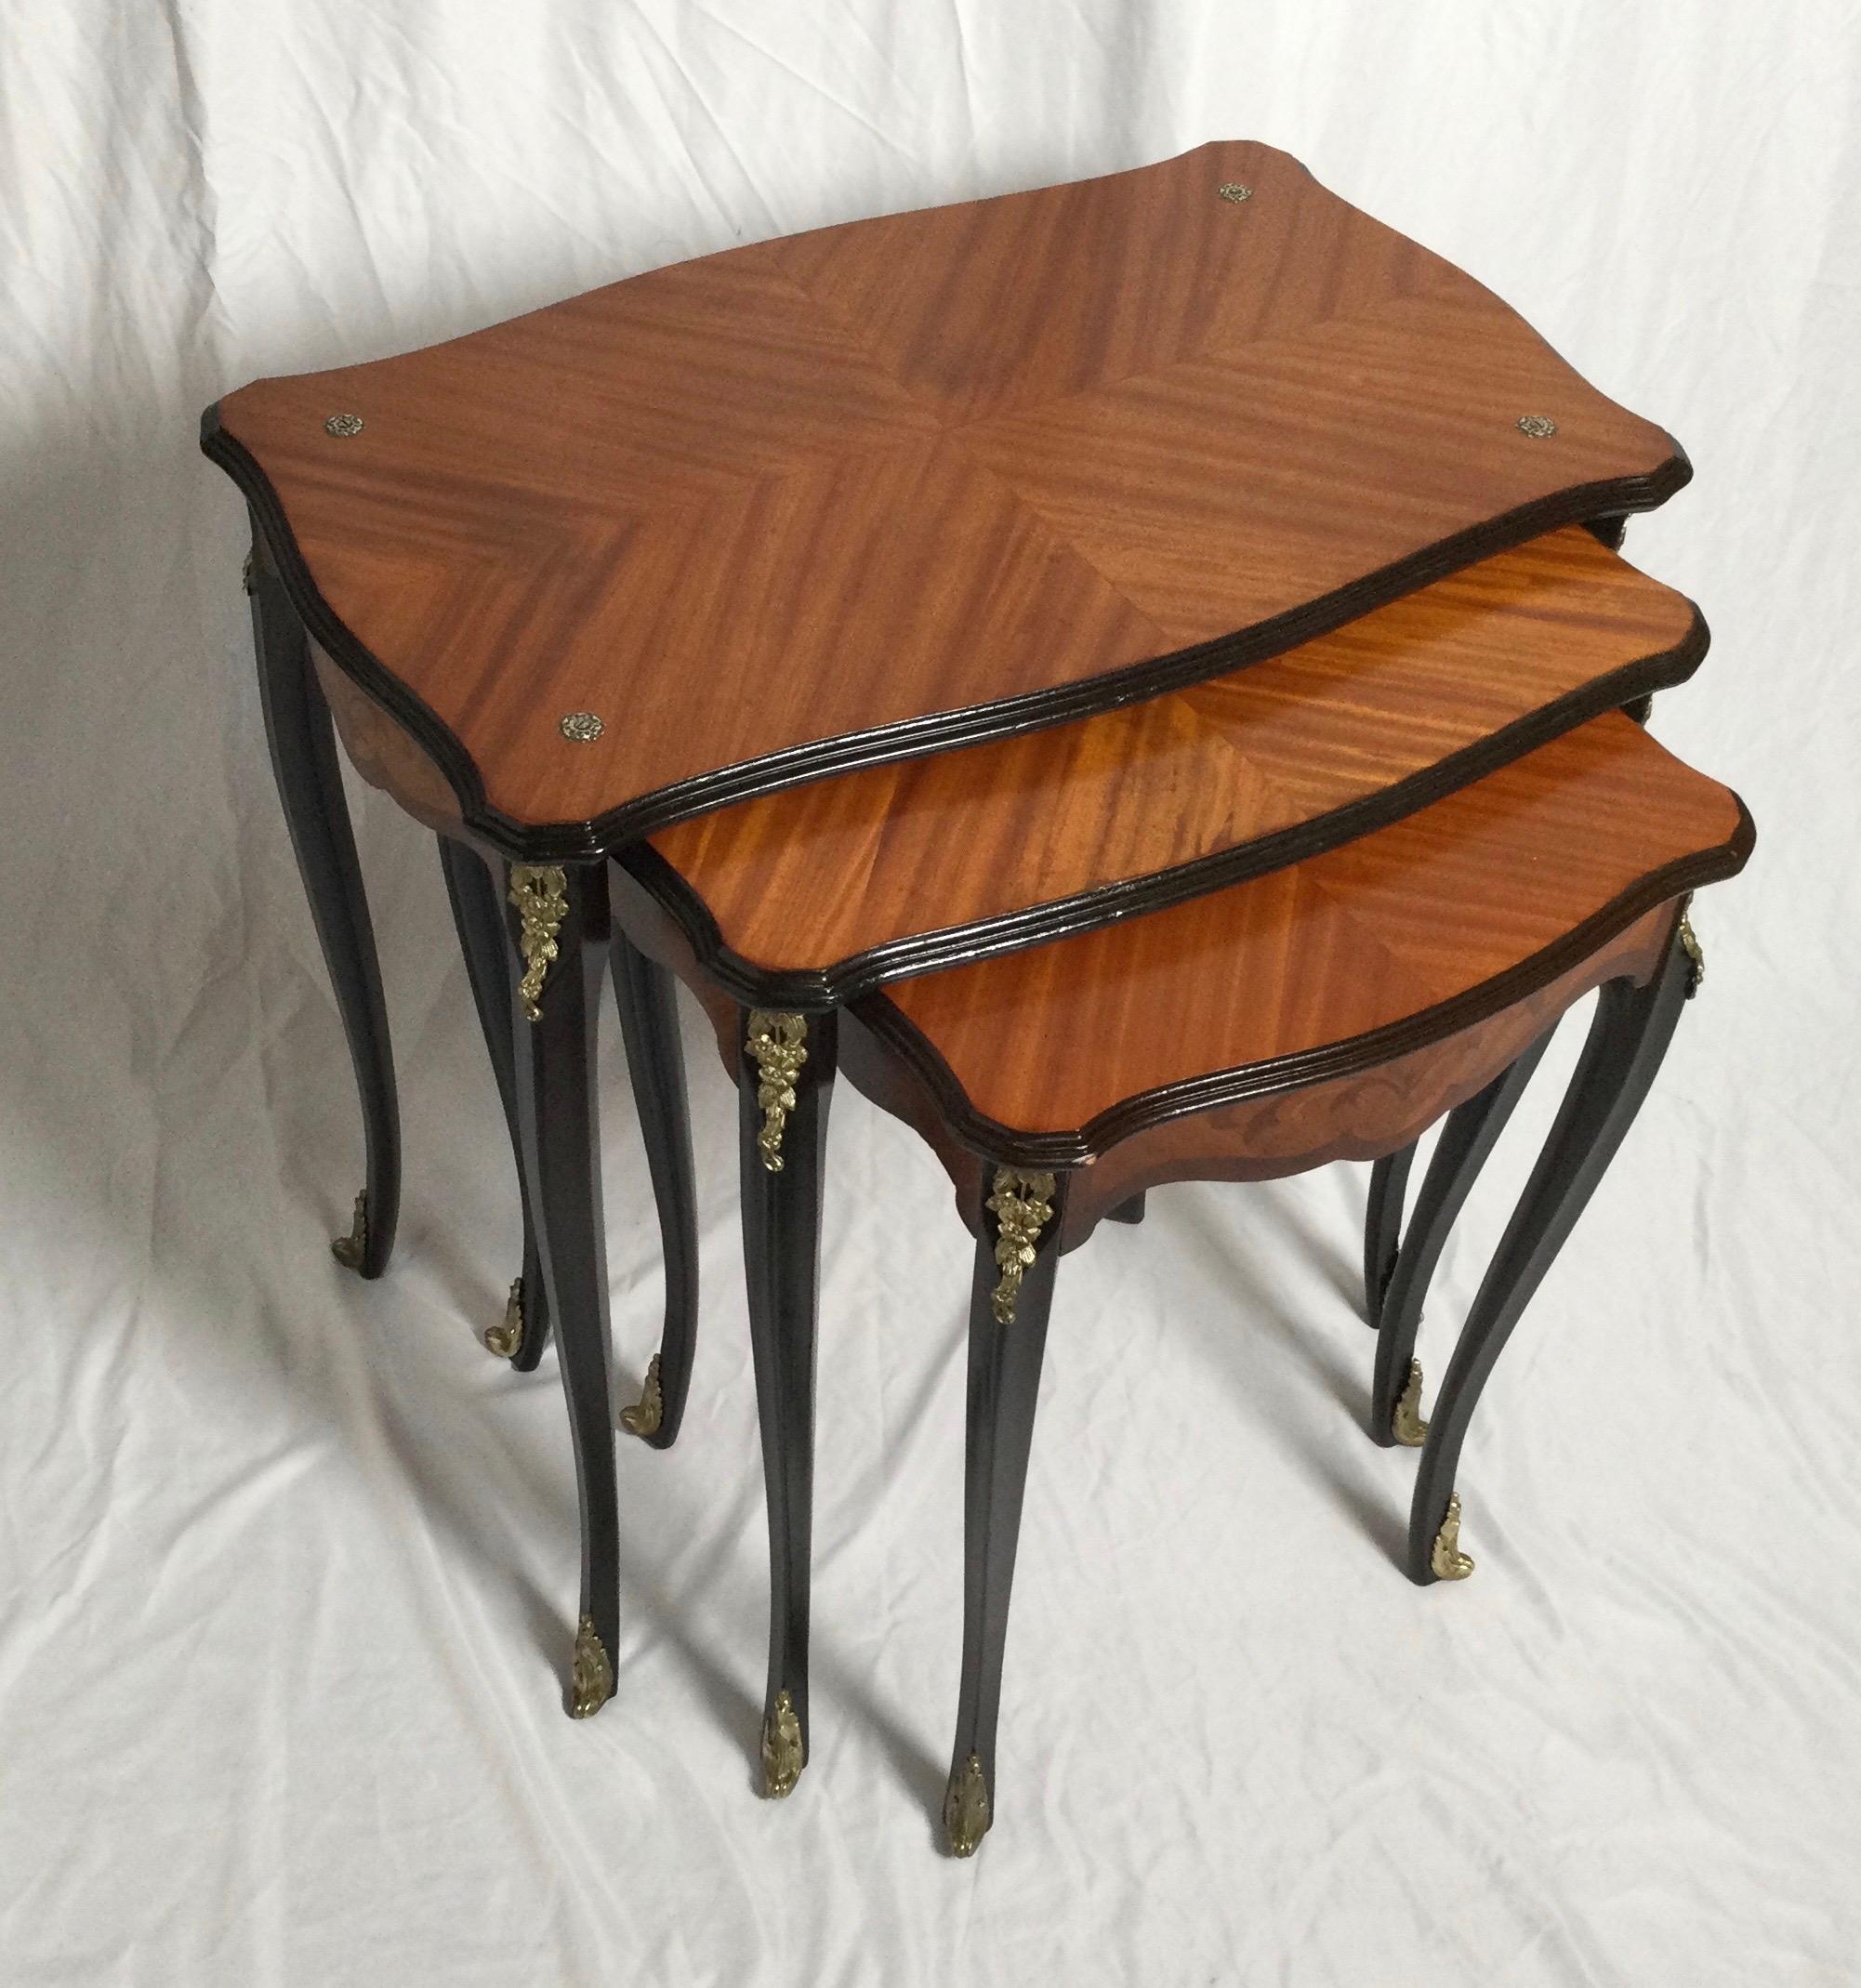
819,894
1360,1116
1322,969
909,483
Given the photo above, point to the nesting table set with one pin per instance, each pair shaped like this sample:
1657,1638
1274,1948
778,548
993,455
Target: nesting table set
1137,674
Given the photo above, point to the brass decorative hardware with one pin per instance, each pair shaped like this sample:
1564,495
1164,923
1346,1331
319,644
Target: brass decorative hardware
776,1043
1695,954
343,426
583,726
507,1336
540,892
591,1681
781,1752
1023,1205
644,1417
1540,427
1447,1559
349,1250
966,1809
1232,189
1407,1424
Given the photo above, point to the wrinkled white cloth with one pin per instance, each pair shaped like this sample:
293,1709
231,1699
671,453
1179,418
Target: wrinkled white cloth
287,1561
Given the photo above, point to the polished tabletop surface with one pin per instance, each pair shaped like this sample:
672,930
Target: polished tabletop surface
1335,963
823,892
908,482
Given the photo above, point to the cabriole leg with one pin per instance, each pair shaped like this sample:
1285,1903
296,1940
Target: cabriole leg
476,893
562,921
302,742
1627,1041
1383,1226
656,1062
784,1086
1016,1255
1466,1139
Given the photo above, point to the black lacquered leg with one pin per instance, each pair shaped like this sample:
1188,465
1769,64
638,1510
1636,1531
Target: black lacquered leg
1627,1041
302,739
785,1086
476,889
1383,1226
1131,1211
554,1070
1466,1139
655,1061
1016,1255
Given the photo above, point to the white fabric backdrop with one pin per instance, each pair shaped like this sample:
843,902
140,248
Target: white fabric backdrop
286,1560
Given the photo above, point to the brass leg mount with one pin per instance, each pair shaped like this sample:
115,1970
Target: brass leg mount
966,1809
349,1250
783,1755
777,1045
1446,1560
644,1417
507,1336
591,1681
1407,1424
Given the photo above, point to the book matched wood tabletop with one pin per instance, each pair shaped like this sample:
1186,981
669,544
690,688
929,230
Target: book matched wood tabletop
822,892
907,483
1323,969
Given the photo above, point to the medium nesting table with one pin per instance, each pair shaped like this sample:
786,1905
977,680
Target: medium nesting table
1221,523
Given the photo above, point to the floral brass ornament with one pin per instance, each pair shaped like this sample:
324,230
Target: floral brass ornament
349,1250
644,1417
781,1750
583,727
1232,189
1540,427
1406,1426
1023,1205
540,894
591,1681
507,1336
1695,954
777,1045
1447,1559
343,426
966,1809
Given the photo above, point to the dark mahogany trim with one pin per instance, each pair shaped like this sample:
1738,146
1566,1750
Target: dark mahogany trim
898,959
1325,1064
934,732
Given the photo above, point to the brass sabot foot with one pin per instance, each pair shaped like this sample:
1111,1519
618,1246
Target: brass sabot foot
644,1417
507,1336
349,1250
1406,1425
1447,1561
591,1681
966,1809
782,1755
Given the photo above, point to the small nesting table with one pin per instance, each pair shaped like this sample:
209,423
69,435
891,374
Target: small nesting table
1225,528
